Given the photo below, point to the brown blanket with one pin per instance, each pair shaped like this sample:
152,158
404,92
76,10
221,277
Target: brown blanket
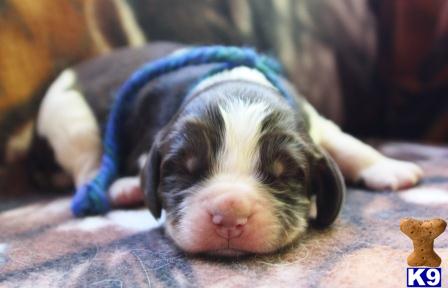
42,245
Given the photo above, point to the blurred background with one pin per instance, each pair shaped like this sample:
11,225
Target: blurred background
378,68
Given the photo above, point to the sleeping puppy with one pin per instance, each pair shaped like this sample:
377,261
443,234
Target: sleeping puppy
235,167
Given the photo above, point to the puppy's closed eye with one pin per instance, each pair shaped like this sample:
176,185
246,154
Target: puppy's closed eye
282,168
280,159
286,166
183,164
190,157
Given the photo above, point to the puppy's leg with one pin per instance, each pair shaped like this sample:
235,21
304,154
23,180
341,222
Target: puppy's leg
358,161
68,124
126,191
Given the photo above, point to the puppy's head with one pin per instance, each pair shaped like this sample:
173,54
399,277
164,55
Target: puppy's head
235,171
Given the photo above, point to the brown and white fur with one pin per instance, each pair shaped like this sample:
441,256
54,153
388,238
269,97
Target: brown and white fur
233,165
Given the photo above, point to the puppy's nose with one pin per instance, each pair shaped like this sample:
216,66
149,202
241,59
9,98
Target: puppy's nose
229,227
230,214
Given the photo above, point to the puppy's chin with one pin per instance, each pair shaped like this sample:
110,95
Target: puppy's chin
215,246
228,253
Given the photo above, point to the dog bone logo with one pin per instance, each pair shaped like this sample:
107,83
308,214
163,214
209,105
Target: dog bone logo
422,234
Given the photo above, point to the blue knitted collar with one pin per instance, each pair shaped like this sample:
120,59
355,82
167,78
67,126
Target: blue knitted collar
92,197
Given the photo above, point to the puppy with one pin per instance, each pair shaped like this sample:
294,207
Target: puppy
235,167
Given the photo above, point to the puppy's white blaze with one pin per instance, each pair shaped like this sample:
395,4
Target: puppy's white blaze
242,126
238,73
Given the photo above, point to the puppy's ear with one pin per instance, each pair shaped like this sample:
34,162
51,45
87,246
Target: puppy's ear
150,177
327,184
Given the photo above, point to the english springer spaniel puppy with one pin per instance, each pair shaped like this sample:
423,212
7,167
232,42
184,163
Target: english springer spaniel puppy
235,166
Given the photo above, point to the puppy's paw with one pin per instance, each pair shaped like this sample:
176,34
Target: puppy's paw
126,192
390,174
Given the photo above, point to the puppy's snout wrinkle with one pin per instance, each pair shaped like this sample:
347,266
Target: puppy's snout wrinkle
230,214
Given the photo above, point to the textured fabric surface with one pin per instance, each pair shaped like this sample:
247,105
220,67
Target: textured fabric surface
42,245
